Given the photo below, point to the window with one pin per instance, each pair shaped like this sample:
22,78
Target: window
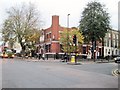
84,50
61,48
100,51
113,43
112,52
105,42
116,52
117,36
116,44
109,35
108,43
109,51
47,36
50,35
106,51
49,48
113,35
106,35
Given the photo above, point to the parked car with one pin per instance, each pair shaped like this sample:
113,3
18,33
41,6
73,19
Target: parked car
117,59
7,54
0,54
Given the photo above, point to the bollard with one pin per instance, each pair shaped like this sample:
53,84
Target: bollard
73,59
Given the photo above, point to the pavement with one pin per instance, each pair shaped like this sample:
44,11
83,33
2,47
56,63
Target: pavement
82,61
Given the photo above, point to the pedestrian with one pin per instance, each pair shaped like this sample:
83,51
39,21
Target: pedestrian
47,56
32,53
43,56
65,57
57,57
39,55
35,54
54,56
98,54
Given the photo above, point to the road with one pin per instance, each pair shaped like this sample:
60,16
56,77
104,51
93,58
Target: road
18,73
0,74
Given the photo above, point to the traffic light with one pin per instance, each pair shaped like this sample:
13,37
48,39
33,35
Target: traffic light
74,39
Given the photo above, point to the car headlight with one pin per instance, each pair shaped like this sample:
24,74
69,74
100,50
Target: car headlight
6,55
115,58
1,54
13,55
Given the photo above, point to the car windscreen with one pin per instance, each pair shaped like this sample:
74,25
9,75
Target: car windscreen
8,50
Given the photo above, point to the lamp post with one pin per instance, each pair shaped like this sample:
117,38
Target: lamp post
67,34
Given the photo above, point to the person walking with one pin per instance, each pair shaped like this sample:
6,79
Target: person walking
43,56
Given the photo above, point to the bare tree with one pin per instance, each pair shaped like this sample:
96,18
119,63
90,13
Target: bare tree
22,23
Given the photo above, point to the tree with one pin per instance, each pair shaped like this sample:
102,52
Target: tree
22,25
94,23
67,43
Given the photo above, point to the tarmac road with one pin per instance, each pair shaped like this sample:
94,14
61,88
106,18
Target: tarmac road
56,74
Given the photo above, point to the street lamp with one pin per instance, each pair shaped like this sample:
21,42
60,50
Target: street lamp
68,20
67,33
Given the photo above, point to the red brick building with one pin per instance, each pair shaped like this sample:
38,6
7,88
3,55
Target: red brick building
50,37
49,40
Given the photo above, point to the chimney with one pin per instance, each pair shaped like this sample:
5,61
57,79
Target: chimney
55,20
55,27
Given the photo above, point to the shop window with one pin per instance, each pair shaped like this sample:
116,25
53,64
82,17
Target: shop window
84,50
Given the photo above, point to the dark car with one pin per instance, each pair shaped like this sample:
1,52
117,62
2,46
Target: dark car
117,59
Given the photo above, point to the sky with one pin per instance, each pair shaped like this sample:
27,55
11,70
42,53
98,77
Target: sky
47,8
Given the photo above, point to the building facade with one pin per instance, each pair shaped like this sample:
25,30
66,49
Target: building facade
49,41
111,43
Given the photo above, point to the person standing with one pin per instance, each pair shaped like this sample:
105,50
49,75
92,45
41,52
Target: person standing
39,55
65,57
98,54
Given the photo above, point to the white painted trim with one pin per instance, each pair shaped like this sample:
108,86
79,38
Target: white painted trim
48,43
56,41
48,32
41,44
50,53
61,53
99,46
84,45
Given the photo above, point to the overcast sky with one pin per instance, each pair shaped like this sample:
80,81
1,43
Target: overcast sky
48,8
